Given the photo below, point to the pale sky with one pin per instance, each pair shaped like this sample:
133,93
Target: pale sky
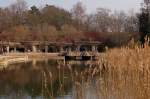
91,5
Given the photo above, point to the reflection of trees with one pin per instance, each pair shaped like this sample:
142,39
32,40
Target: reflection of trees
53,78
29,80
45,78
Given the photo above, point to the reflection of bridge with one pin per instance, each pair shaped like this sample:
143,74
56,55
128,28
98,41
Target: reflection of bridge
51,47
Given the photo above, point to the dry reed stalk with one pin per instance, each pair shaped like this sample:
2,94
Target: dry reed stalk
124,73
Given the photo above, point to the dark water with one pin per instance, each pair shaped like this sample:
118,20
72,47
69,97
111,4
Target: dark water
52,79
38,80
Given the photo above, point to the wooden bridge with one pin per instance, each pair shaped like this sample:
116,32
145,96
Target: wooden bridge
50,47
76,50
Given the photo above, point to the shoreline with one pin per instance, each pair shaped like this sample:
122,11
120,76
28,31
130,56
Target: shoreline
35,55
11,58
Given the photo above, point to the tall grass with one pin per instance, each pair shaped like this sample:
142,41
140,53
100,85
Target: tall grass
120,73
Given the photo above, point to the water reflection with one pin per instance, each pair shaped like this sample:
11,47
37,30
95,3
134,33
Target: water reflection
37,80
50,79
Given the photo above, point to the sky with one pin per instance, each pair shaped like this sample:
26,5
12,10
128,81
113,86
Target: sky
91,5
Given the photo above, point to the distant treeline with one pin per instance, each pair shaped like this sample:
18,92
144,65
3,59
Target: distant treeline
51,23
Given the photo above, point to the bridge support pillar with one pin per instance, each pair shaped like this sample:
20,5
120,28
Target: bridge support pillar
69,49
2,50
78,48
61,49
94,48
34,49
7,49
15,49
46,49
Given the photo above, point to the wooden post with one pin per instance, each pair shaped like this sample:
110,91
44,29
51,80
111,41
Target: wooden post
2,50
69,49
34,49
46,49
15,49
93,48
61,49
78,48
25,49
96,48
7,49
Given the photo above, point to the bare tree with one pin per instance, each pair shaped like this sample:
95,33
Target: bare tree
19,7
78,13
102,19
131,23
17,12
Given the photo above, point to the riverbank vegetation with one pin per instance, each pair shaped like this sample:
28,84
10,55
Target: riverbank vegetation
18,22
121,73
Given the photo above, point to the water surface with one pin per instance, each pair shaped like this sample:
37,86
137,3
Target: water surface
52,79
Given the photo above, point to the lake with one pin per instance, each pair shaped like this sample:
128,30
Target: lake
53,79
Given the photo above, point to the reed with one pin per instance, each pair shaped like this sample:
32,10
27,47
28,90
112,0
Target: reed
120,73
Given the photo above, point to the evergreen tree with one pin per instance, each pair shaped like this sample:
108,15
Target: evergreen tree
144,22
